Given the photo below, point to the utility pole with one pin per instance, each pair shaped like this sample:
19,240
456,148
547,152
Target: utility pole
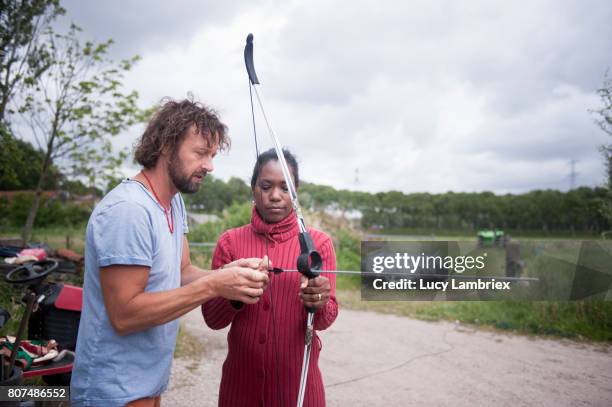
573,174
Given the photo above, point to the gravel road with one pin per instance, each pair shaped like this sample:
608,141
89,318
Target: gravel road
371,359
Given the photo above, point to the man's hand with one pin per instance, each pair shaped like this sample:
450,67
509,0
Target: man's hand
242,280
315,293
253,262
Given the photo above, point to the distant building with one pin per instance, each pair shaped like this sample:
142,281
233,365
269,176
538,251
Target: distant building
89,200
194,219
353,216
10,195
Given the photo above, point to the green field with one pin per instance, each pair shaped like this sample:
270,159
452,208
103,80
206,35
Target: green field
580,320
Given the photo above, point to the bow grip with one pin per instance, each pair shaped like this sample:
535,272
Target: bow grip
309,261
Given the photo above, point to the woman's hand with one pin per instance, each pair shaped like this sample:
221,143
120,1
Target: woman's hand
315,293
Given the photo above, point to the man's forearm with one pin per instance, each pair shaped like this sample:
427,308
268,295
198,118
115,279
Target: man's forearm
191,273
149,309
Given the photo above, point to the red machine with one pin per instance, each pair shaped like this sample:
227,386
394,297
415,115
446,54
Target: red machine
53,311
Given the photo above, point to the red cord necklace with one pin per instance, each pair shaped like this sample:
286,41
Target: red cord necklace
170,219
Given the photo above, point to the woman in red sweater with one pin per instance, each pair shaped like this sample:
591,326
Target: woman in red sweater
266,339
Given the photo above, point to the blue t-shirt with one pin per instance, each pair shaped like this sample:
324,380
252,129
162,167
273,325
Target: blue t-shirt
127,227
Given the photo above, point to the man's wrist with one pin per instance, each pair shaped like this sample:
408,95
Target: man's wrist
208,285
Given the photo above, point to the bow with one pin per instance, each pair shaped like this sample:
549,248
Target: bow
309,261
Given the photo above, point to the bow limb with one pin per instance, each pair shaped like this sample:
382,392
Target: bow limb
309,262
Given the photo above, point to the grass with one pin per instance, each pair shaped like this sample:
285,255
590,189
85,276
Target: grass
578,320
10,296
55,237
188,347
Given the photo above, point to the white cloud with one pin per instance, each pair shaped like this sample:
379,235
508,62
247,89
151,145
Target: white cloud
418,96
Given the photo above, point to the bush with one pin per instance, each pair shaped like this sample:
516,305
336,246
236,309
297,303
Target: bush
236,215
51,212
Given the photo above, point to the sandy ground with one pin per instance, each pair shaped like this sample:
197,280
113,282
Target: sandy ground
371,359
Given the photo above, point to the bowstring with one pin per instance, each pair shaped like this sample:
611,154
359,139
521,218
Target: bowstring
253,119
274,336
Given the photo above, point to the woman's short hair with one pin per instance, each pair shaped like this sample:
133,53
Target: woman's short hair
269,155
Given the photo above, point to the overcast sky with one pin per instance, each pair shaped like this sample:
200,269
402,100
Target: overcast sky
378,95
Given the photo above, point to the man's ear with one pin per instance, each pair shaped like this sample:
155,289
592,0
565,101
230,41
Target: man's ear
166,152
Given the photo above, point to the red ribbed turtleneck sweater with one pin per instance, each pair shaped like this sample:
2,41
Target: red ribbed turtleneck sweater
266,340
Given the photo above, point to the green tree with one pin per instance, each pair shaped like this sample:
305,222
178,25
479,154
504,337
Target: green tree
21,164
21,24
22,59
214,195
9,177
74,108
604,120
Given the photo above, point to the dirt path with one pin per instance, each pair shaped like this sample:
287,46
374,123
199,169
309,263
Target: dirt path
371,359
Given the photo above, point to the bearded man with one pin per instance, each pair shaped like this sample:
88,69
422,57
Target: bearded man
138,275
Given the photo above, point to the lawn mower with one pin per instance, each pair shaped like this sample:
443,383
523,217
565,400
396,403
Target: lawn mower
52,315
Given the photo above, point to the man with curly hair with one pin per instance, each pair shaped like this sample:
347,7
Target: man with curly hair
138,275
